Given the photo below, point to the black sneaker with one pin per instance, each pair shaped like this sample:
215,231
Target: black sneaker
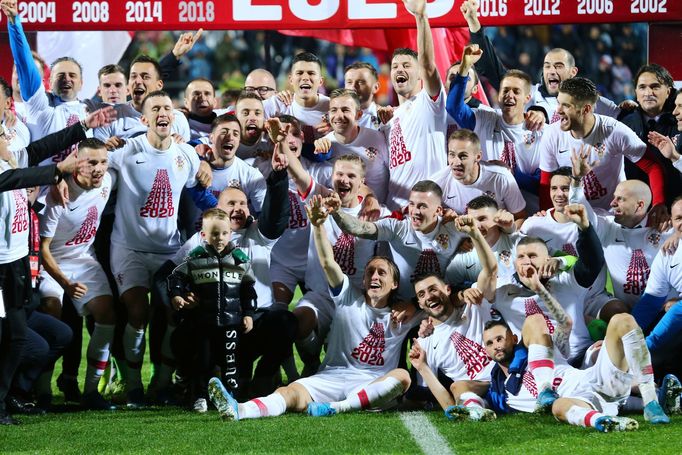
94,401
69,387
16,405
6,419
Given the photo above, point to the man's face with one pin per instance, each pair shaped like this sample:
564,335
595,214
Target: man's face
530,255
463,157
424,209
472,86
485,219
96,164
200,98
343,114
559,187
572,115
556,69
624,205
112,88
676,215
143,79
513,96
216,232
261,83
346,180
233,201
404,75
363,82
499,344
678,111
294,140
306,79
651,93
5,103
65,80
225,140
251,116
434,297
378,279
158,115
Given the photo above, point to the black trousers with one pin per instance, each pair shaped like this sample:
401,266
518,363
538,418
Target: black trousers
15,282
271,339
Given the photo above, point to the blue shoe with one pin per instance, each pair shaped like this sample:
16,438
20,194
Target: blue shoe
606,424
475,413
545,400
135,399
669,394
320,409
226,404
654,414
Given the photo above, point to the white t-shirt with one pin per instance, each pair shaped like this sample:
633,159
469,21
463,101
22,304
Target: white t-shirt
199,129
604,105
370,145
566,379
557,236
608,135
14,217
494,181
128,124
149,187
465,267
416,145
308,116
363,338
369,117
256,246
455,346
665,276
416,253
73,228
249,153
18,137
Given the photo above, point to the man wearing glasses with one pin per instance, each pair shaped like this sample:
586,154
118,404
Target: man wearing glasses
262,82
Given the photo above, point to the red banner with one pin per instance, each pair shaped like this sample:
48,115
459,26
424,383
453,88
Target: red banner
325,14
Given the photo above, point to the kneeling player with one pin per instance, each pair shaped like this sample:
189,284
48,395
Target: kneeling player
359,370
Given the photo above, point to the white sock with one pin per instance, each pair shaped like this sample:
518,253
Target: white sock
374,395
541,365
98,355
164,372
582,417
471,400
639,363
133,345
272,405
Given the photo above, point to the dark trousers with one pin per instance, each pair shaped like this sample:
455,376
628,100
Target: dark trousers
271,339
15,282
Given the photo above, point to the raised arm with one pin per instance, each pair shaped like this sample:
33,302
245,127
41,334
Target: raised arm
278,135
487,277
348,223
590,252
274,216
426,56
455,105
317,215
418,361
490,65
27,73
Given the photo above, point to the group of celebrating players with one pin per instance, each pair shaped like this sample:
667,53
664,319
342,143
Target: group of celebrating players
509,241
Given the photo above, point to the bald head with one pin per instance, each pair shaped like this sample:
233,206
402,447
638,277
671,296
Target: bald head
631,200
639,190
262,82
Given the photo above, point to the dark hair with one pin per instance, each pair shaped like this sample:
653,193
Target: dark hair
580,89
246,95
422,276
482,202
678,198
465,135
295,123
564,171
154,94
142,58
360,66
6,88
518,74
110,69
340,92
662,74
530,240
494,323
224,118
201,79
570,60
91,143
67,59
472,69
404,51
425,186
306,57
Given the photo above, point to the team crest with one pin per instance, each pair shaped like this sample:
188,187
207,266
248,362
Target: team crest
654,238
529,138
104,193
179,162
490,194
234,183
371,153
600,148
443,240
505,257
119,278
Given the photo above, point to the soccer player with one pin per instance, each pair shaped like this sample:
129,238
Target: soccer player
421,243
454,348
200,102
611,141
67,235
467,177
471,86
145,231
262,82
362,77
348,136
416,132
112,84
359,370
17,135
253,142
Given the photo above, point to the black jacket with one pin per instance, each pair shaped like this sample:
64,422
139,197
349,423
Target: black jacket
222,282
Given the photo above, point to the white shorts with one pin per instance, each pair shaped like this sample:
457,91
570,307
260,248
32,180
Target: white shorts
335,384
134,268
286,274
603,386
84,269
323,307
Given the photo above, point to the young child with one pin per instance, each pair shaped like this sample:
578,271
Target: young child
214,287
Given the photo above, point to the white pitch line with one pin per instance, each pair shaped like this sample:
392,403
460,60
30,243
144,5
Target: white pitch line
425,434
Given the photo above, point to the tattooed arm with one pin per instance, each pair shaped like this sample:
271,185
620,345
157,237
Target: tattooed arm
354,226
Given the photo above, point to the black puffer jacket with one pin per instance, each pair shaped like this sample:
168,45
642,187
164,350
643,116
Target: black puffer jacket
222,283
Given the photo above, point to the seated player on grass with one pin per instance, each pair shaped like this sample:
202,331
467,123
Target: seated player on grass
359,370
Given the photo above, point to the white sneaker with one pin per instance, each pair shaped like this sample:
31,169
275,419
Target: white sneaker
200,406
